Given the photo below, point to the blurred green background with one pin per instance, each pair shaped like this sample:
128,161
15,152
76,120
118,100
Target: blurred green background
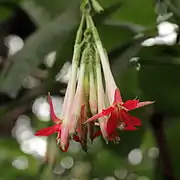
36,43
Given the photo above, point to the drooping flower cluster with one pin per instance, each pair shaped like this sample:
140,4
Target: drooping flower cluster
88,112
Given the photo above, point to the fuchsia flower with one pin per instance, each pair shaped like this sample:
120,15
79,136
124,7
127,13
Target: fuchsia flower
116,114
81,131
86,97
119,116
53,129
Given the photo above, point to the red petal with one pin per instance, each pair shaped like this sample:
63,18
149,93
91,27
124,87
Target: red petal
117,97
52,113
136,121
129,120
95,117
107,111
145,103
131,104
104,112
47,131
112,123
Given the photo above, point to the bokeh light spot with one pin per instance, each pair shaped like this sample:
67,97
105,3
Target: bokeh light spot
67,162
121,173
41,107
153,152
135,157
20,163
50,59
14,43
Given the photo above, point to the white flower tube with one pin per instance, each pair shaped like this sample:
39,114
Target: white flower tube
101,96
69,96
110,82
76,108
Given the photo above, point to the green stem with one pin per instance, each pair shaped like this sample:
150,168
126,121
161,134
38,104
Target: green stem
75,62
80,30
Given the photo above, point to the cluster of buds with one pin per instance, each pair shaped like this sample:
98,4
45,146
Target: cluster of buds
91,108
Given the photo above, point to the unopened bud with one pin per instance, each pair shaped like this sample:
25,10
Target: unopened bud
97,7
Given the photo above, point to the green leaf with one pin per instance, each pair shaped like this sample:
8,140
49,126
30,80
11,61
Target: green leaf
134,11
47,39
162,55
114,36
158,77
120,56
108,12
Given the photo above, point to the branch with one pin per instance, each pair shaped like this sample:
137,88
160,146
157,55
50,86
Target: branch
157,121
